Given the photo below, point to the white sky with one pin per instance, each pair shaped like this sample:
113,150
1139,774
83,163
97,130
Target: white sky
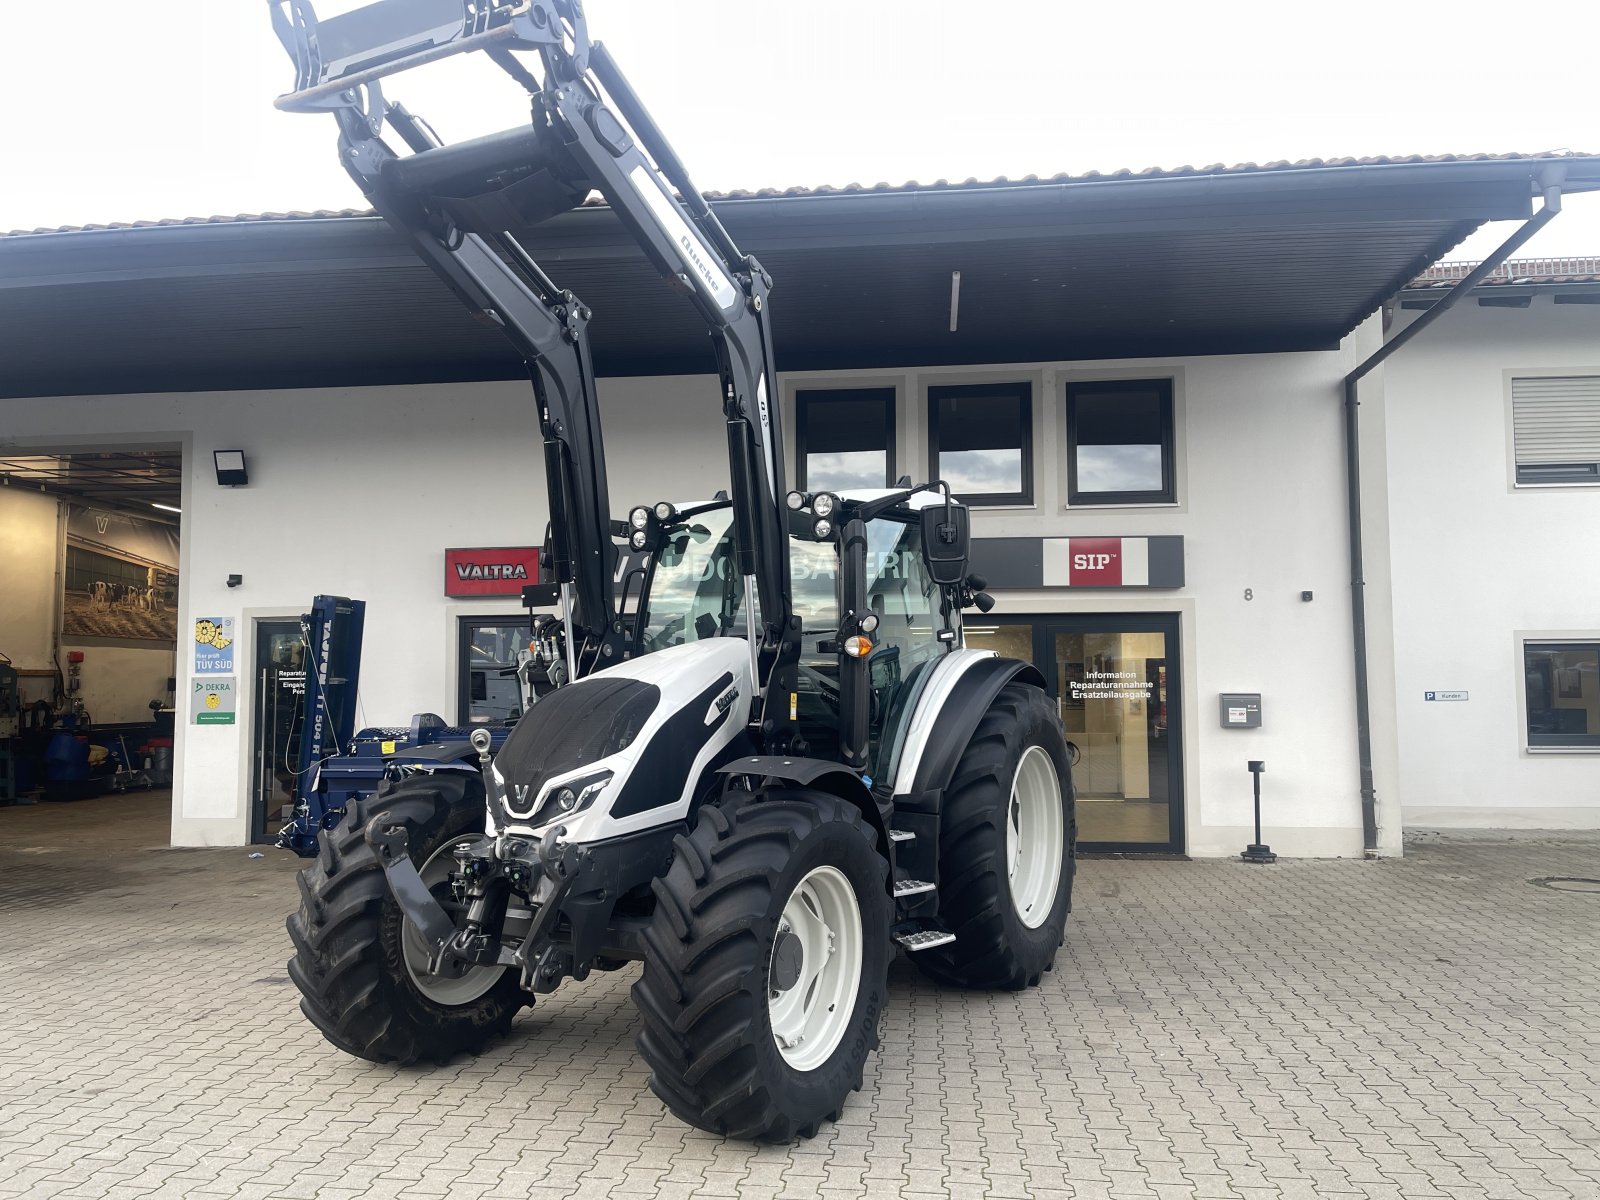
162,108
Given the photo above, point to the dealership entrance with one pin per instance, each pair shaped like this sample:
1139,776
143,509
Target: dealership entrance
280,707
1115,678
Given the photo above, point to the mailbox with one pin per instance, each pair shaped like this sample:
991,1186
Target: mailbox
1240,710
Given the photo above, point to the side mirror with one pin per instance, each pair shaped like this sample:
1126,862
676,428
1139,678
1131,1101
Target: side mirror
946,538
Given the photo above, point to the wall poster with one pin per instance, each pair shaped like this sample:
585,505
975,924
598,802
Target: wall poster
121,579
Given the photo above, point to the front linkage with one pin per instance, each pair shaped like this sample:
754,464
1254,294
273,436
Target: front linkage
571,888
488,873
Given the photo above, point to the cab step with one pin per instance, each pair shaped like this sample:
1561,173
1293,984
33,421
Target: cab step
901,835
911,887
925,939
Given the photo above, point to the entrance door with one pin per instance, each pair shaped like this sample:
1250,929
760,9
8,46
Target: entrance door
1115,678
280,705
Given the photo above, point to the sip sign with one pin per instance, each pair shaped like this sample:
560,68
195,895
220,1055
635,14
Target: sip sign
1095,562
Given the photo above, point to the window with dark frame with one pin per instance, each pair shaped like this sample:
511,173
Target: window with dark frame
1555,428
1562,688
488,688
980,441
1119,442
844,439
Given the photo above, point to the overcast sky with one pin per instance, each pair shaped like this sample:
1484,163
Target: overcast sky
162,108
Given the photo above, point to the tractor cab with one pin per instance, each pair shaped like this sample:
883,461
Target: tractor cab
688,590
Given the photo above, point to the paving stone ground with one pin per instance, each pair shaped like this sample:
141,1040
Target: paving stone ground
1417,1028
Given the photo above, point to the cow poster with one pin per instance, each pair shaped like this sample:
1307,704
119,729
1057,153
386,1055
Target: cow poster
121,578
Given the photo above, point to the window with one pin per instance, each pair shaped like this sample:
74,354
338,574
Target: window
489,688
695,588
980,441
1555,424
1563,692
844,439
1119,442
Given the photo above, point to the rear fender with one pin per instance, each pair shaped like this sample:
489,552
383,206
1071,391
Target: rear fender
919,785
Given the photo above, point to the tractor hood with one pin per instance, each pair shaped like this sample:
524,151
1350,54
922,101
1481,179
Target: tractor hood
622,749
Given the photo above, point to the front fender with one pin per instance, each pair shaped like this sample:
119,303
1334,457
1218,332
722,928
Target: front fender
820,774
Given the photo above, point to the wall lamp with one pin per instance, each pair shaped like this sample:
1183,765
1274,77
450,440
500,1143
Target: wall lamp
230,468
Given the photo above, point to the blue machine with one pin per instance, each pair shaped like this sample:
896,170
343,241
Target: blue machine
339,764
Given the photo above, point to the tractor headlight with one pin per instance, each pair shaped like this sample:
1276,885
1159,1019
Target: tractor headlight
795,500
824,504
868,622
665,512
638,540
823,530
639,518
572,796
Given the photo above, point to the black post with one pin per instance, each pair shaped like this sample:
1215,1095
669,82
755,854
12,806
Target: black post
1255,852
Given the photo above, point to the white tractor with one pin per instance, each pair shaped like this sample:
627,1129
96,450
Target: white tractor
771,761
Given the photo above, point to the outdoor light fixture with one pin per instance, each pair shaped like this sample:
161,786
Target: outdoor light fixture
230,468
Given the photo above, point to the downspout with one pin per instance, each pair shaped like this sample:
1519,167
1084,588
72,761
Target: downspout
1352,455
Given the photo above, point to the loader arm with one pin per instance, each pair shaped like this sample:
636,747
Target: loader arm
456,201
479,258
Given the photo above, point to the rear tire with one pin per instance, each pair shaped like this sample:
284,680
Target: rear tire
349,936
721,971
1007,921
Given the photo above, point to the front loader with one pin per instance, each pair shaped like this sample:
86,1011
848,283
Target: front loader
774,767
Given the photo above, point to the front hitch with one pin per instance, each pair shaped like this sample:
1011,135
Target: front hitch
393,846
546,871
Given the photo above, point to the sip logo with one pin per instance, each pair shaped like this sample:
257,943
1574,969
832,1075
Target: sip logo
1096,562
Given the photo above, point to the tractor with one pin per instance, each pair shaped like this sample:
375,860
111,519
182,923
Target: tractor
771,762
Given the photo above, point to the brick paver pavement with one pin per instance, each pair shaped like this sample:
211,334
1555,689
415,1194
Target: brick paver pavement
1419,1028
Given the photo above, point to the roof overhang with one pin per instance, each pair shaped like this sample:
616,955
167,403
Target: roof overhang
1281,258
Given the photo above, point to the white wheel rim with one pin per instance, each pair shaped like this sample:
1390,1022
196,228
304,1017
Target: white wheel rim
809,1018
443,989
1035,837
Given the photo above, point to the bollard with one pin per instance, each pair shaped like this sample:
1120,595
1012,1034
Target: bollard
1256,852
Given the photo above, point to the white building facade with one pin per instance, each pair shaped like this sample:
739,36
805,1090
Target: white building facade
1492,423
1165,530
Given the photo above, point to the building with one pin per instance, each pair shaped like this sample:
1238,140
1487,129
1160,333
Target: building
1492,437
1138,380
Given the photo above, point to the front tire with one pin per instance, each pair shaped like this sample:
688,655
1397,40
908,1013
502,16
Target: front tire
1007,835
766,965
356,957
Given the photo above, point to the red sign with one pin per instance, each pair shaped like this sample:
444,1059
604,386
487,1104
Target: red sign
1095,562
490,571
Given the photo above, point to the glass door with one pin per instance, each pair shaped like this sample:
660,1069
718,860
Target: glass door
280,705
486,666
1115,678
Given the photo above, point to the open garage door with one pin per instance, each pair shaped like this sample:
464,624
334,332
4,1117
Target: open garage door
89,579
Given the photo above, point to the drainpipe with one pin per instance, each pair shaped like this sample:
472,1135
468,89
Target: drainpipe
1352,457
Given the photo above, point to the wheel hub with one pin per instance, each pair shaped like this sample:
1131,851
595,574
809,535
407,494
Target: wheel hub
815,968
1035,838
788,958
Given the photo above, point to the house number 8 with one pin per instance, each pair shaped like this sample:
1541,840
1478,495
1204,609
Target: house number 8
1249,594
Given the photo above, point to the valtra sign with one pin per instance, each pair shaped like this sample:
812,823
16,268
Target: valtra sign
490,571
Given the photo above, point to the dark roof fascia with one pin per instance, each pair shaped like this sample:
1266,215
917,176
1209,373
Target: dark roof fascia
1472,191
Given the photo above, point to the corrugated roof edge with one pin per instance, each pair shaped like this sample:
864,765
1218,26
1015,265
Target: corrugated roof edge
1581,269
856,189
